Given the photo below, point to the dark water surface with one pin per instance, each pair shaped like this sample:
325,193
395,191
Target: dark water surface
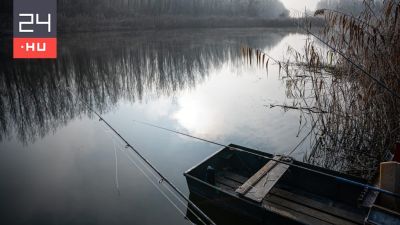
57,161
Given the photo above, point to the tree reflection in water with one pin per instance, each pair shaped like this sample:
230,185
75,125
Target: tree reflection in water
104,68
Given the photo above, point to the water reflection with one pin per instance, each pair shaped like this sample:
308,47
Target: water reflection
103,69
58,165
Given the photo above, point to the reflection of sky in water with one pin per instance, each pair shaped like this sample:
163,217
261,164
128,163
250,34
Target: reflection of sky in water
231,106
68,176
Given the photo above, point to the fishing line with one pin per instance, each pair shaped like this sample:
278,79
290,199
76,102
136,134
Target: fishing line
106,130
120,148
128,145
170,190
345,180
158,188
116,178
116,169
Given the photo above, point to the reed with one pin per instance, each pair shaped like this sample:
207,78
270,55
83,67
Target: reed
346,85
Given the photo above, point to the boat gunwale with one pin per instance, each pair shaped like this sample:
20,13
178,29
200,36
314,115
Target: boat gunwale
294,162
233,194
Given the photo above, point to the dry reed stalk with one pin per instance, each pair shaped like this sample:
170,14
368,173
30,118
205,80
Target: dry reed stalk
360,120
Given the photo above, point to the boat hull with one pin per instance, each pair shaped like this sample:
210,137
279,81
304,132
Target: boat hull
317,189
221,206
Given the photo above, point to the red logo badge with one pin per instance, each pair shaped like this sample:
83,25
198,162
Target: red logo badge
28,48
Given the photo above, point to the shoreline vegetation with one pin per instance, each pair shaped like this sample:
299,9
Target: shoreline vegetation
347,88
176,22
75,24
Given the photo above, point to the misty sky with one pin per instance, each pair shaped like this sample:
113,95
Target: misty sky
300,4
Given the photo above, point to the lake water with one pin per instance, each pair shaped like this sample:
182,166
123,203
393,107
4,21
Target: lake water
57,161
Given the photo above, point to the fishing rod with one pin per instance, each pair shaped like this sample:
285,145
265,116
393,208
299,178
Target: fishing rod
163,178
345,180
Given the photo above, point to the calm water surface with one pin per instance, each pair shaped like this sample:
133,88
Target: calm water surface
57,161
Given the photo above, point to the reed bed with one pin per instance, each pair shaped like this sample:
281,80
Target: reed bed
346,86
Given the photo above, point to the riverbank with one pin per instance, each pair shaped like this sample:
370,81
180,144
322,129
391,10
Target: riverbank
172,22
91,24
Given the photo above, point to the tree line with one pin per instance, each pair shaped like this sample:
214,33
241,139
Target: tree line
354,7
117,8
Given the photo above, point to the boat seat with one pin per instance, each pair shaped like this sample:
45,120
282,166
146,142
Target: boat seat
260,184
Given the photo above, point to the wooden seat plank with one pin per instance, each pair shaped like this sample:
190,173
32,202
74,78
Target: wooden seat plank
257,176
266,183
